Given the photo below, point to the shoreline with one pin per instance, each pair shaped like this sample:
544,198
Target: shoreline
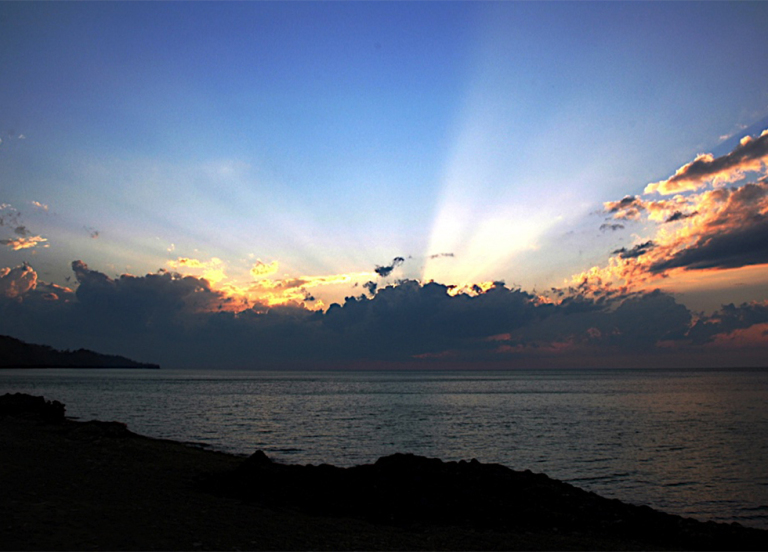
96,485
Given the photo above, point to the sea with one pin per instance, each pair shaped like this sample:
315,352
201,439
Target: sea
687,442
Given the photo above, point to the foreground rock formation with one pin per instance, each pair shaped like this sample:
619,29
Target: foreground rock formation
413,492
96,485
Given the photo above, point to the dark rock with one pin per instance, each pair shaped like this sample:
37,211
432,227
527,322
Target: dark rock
20,405
411,491
255,460
95,430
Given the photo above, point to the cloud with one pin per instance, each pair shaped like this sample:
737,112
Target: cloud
17,281
728,320
677,215
23,243
629,208
715,228
41,206
9,216
735,248
143,302
187,262
182,321
370,287
611,227
261,269
92,232
636,251
727,228
749,156
385,271
439,255
294,289
212,270
635,322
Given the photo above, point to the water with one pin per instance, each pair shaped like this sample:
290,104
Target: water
692,443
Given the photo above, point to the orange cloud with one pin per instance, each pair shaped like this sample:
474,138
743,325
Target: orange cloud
17,281
261,269
186,261
300,289
721,228
751,337
212,270
24,242
471,289
751,155
627,208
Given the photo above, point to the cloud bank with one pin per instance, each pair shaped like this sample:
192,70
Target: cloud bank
182,321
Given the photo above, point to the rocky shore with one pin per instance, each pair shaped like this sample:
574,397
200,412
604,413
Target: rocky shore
95,486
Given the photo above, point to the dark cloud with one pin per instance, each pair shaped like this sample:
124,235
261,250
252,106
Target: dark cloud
371,287
385,271
181,321
677,215
21,231
149,301
634,323
733,247
727,320
612,227
636,251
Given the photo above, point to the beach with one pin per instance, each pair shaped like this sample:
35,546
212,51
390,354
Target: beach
97,486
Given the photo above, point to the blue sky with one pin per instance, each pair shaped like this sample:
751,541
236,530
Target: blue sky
285,150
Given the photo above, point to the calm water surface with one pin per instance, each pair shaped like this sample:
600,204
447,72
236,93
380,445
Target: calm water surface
693,443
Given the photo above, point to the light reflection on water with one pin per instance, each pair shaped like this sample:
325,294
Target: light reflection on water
688,442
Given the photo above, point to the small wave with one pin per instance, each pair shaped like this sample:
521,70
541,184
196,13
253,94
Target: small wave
761,508
679,484
593,478
592,460
197,444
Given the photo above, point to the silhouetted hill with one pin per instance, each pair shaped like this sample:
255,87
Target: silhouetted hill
15,353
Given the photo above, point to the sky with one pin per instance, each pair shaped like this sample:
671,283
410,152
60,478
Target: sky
387,184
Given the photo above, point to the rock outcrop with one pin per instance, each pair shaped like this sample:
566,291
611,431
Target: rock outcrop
20,405
413,491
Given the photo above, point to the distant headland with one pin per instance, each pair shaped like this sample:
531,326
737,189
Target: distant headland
15,353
